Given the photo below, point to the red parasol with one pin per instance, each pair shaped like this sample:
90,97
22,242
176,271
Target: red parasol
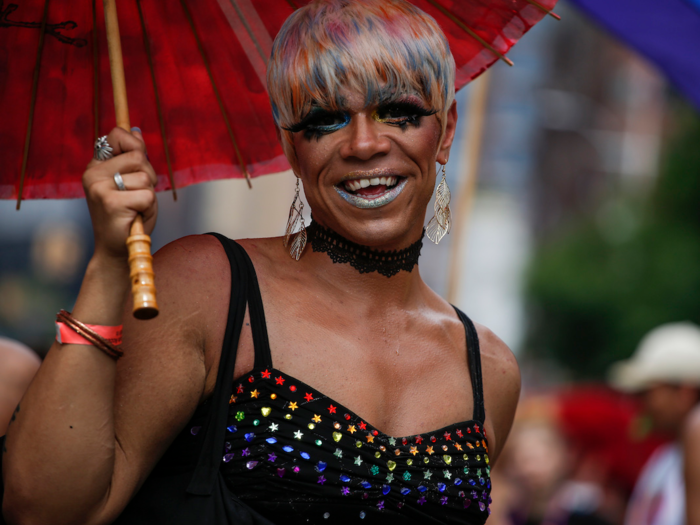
195,73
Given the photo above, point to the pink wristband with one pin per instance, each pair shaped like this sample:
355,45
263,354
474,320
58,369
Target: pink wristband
66,335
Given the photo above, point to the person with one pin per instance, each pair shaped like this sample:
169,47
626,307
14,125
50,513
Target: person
18,364
665,370
360,394
691,470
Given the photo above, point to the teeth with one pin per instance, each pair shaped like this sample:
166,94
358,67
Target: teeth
354,185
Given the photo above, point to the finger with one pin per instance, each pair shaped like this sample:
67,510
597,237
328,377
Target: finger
139,201
123,141
136,181
130,162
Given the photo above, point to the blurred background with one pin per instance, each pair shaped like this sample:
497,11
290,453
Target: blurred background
577,230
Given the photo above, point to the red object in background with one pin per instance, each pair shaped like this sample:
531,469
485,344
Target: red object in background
177,55
602,425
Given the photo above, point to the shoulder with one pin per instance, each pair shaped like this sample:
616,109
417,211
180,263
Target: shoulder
501,379
19,363
691,429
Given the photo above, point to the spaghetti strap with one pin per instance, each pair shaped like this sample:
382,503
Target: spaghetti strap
474,356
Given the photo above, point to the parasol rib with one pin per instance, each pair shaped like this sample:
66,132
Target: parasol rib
35,86
95,72
216,93
544,9
159,109
470,31
249,30
294,6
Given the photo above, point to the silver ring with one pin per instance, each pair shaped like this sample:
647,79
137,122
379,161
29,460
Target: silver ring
103,151
119,182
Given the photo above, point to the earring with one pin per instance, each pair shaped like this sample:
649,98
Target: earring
440,224
296,218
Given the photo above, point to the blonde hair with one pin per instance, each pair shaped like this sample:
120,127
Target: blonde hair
368,46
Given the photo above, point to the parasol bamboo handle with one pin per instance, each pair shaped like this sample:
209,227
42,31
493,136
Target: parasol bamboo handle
143,288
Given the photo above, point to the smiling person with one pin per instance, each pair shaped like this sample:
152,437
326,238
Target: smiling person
359,395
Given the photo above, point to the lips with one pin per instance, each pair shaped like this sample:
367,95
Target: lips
371,192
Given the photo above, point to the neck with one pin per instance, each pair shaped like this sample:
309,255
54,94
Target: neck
350,268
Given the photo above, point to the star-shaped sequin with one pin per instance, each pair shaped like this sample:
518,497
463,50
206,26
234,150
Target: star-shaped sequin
447,436
309,397
273,427
245,452
239,389
271,457
419,440
389,477
255,394
443,500
266,374
352,429
331,409
380,505
321,479
458,446
470,446
430,450
345,491
422,500
338,453
298,434
459,433
370,438
392,441
476,428
232,400
362,425
447,474
413,450
293,406
316,418
279,380
427,474
358,460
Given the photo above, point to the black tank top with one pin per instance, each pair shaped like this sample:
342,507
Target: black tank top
297,456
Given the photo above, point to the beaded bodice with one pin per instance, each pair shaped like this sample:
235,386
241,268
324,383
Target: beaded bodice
297,456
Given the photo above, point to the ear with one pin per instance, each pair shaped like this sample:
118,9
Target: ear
449,133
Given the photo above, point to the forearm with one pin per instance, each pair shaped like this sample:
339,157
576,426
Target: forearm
61,447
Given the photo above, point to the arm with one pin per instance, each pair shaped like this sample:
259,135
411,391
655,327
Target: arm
501,377
90,429
691,453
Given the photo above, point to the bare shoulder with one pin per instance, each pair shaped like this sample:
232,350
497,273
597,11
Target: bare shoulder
691,430
501,379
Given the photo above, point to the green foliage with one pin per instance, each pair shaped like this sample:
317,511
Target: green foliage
597,290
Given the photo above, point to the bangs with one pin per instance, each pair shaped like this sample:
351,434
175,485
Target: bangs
384,49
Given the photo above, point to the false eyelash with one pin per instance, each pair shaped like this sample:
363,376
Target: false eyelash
406,107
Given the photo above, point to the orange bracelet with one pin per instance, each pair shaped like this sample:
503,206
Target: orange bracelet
71,331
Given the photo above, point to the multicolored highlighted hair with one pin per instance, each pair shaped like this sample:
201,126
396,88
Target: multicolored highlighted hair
376,47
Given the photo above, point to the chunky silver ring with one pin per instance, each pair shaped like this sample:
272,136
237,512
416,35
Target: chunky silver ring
103,151
119,182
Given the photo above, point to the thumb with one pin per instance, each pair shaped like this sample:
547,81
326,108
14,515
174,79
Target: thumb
136,132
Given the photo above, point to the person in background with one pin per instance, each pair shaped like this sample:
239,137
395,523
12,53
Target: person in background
691,451
665,370
18,364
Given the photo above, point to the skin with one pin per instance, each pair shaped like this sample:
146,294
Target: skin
691,453
389,349
18,364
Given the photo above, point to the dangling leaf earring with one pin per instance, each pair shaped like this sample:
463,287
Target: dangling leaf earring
439,225
296,218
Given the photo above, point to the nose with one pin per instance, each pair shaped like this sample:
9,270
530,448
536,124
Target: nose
365,139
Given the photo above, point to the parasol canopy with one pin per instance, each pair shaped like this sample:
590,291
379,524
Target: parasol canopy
195,74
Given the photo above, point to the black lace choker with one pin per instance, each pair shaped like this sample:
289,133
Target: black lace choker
362,258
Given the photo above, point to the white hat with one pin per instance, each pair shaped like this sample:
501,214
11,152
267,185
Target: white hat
667,354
